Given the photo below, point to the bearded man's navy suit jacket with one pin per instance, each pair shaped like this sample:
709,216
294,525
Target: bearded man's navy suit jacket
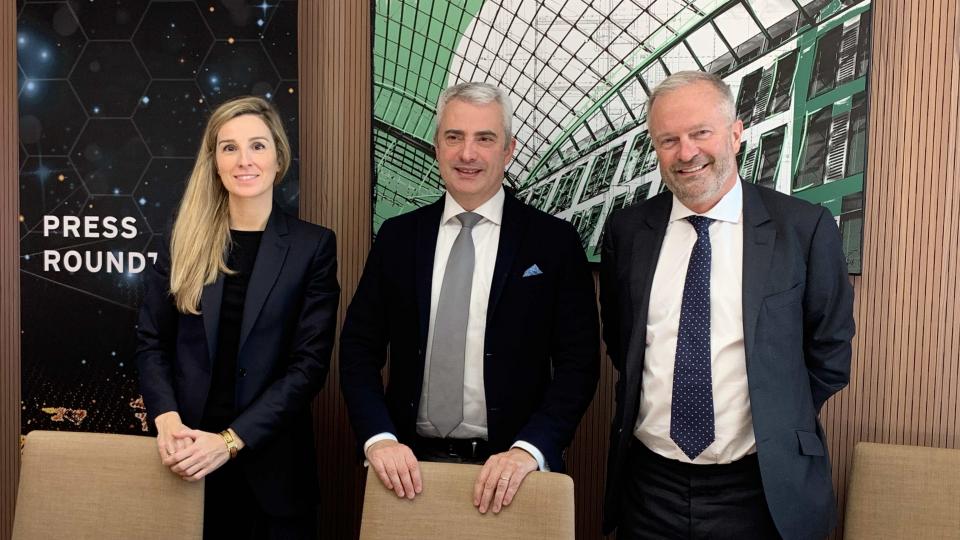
797,327
541,346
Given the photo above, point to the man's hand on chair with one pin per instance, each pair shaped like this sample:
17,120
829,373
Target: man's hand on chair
396,466
500,478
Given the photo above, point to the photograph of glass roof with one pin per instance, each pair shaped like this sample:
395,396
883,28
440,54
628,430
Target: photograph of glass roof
579,74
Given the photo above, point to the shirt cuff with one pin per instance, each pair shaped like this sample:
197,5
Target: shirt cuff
533,451
385,436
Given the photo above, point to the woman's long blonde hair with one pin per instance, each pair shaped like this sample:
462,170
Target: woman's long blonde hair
201,232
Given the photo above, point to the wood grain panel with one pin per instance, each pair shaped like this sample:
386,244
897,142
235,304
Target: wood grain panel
906,366
587,456
9,272
335,183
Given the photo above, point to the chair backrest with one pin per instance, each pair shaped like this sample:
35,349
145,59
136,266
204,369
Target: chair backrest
103,486
903,492
542,508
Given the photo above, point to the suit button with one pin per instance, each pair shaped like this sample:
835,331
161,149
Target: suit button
488,355
243,373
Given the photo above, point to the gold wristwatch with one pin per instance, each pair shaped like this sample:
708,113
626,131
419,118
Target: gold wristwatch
231,443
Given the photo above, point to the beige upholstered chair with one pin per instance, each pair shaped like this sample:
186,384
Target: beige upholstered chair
94,485
543,508
903,492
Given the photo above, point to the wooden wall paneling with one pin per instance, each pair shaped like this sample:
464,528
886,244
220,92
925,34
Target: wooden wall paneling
932,388
897,255
906,366
587,456
905,255
909,255
925,267
9,272
933,264
335,183
889,240
867,301
952,248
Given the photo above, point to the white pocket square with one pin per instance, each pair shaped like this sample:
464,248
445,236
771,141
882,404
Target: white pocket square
532,271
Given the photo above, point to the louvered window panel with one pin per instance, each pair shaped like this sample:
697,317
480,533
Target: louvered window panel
837,153
783,83
769,158
650,161
565,190
588,226
602,175
824,74
749,163
619,202
863,45
641,193
538,198
636,157
847,69
747,100
763,95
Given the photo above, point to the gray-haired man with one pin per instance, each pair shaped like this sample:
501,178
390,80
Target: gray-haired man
488,308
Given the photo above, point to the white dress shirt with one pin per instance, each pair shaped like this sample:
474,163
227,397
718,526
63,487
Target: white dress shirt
733,420
486,240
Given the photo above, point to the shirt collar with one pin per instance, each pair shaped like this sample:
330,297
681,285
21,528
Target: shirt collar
492,210
729,208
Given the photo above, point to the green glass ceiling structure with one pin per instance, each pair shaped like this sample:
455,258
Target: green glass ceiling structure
579,74
414,43
556,59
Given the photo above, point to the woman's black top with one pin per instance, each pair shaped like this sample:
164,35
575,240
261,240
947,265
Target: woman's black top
219,410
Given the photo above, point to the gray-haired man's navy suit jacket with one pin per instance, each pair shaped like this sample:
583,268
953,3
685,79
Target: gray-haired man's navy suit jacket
541,347
797,327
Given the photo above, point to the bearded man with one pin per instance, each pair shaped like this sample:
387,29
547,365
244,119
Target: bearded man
728,313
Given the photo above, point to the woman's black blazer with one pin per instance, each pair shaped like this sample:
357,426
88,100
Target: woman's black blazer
286,338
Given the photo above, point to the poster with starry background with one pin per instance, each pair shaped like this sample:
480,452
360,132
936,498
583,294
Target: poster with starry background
113,97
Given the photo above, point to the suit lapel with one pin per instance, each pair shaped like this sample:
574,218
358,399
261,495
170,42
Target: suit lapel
428,226
512,229
210,300
645,250
266,269
759,236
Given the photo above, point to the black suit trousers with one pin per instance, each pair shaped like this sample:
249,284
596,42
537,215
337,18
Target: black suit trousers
231,510
669,499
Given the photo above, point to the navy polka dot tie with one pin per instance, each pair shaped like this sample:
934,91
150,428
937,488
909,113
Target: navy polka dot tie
691,411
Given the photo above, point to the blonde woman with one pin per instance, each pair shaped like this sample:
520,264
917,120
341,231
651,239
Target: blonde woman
235,333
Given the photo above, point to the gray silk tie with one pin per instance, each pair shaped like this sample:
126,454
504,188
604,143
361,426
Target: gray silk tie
445,384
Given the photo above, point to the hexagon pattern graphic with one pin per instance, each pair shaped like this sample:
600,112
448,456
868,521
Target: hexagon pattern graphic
110,156
233,69
109,78
113,98
108,19
170,118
